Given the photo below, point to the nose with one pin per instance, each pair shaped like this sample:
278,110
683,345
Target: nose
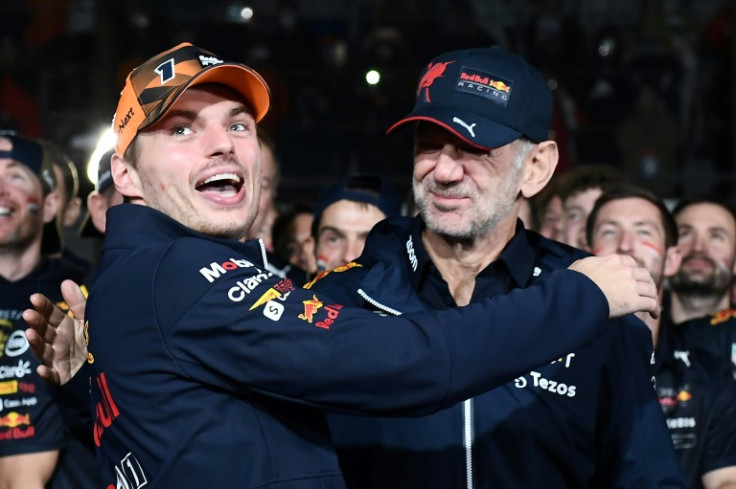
218,140
448,168
353,249
625,242
698,242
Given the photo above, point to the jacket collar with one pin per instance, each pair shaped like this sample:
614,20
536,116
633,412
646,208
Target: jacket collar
132,226
518,256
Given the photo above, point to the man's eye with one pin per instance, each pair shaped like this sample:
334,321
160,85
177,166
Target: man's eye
181,130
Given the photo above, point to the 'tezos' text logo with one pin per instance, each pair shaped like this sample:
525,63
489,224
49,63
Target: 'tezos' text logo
548,385
216,270
105,410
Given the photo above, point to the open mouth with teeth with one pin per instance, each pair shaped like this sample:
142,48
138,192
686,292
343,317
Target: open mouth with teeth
5,211
224,184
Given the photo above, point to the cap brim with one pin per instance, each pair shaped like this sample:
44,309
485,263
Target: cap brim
490,135
244,81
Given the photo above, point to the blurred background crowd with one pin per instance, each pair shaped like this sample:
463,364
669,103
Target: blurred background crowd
642,85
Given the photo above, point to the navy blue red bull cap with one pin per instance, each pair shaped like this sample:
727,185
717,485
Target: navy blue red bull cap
486,96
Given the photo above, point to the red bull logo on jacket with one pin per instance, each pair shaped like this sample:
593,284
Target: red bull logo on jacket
14,419
311,306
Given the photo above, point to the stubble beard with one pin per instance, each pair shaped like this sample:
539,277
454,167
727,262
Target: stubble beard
479,219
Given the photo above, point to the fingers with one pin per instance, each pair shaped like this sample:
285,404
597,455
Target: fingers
48,375
74,297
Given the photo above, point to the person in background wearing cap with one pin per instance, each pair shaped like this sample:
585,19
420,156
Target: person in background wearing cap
207,371
590,418
695,389
344,215
35,449
104,196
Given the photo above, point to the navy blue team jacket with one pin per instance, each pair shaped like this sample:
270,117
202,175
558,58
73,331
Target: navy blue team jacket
698,398
589,419
210,372
30,420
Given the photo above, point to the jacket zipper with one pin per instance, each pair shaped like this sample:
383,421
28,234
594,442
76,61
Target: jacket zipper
468,428
468,432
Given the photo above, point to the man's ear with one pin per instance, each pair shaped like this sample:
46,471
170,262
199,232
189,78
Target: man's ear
50,206
126,178
97,206
672,260
539,167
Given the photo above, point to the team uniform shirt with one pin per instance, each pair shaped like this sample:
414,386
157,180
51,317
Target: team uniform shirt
29,419
714,333
698,398
211,372
588,419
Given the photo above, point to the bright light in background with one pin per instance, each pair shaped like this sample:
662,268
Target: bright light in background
246,14
239,13
372,77
105,142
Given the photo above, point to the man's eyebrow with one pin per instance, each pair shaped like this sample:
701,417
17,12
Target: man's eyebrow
240,109
332,229
187,114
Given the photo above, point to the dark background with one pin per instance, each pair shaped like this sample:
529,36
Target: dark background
646,86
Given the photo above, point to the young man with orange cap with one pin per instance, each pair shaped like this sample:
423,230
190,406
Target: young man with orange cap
207,371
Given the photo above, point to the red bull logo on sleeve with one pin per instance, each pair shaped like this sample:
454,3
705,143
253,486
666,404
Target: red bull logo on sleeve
14,419
311,306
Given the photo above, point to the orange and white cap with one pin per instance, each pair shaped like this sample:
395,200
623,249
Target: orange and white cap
152,88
